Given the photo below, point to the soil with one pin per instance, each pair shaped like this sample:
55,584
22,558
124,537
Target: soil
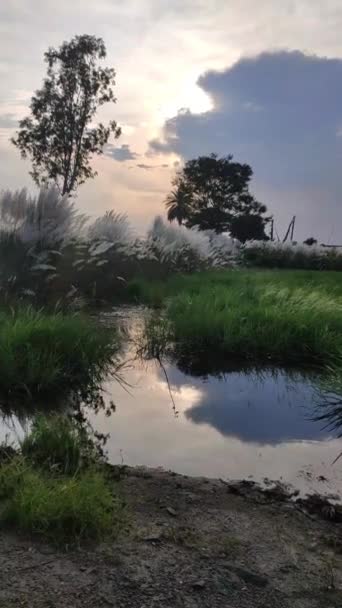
190,543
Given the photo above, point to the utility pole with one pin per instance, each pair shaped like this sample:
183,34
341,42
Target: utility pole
290,229
293,225
272,229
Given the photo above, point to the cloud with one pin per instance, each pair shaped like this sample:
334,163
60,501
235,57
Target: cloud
120,154
264,409
8,121
149,167
282,113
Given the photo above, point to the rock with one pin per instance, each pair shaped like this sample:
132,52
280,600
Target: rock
171,511
198,584
153,537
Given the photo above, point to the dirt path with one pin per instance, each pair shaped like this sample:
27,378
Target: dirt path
192,543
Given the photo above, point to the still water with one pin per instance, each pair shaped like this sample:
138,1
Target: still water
251,424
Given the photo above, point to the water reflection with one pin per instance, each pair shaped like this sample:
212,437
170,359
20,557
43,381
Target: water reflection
232,426
265,408
196,420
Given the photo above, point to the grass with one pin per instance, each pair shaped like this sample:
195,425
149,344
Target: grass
56,443
281,317
64,510
57,488
46,353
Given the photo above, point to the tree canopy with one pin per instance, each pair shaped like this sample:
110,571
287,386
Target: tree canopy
213,193
58,136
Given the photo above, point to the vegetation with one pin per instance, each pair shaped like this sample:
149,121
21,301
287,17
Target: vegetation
65,510
265,317
57,487
59,137
56,443
44,353
291,255
213,194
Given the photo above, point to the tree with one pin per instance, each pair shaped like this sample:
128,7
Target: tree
217,192
310,241
178,203
58,136
248,227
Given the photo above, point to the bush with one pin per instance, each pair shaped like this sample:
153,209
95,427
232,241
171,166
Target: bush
52,353
65,510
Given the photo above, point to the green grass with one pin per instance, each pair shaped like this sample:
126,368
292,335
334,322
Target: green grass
282,317
155,293
56,486
58,444
44,353
64,510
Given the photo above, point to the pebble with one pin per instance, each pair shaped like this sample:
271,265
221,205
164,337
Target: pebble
171,511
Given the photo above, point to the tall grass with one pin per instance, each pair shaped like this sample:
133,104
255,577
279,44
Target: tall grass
57,444
51,353
284,318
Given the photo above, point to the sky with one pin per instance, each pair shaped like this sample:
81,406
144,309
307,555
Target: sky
259,80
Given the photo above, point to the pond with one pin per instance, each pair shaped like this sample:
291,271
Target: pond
250,423
241,424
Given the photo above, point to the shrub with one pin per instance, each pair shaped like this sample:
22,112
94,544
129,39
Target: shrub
46,220
66,510
186,250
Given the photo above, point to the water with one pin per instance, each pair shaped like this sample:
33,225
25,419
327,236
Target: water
242,424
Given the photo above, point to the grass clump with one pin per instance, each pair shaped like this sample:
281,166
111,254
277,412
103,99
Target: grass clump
265,317
57,486
41,352
65,510
57,444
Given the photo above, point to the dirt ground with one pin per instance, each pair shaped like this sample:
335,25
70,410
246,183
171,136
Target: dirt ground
190,543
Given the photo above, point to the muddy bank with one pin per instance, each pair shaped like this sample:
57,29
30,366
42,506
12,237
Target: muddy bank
189,543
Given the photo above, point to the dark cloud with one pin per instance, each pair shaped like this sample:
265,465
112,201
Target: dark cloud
261,408
149,167
120,154
8,121
282,113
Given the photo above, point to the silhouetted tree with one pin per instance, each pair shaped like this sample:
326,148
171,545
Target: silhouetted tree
217,191
178,203
310,241
248,227
58,136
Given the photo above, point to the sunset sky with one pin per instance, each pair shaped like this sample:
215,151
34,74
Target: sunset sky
261,79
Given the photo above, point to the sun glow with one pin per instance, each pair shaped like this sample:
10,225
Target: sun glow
189,97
